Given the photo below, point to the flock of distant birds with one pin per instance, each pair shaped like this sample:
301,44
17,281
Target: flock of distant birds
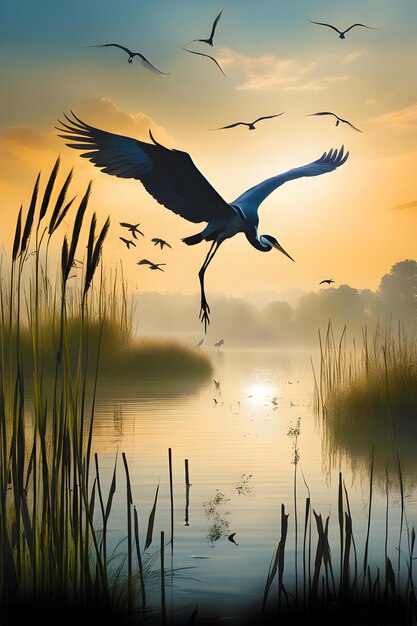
209,41
173,180
134,230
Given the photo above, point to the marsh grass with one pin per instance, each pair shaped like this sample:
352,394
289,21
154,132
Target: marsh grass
366,397
54,509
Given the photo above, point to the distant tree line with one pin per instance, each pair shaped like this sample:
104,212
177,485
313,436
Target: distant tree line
280,323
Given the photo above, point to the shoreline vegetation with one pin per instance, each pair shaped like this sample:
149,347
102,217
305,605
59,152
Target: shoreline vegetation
366,396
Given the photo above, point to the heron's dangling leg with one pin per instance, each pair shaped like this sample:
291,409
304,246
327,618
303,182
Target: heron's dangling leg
205,309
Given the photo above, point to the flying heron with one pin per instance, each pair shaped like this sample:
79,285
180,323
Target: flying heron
171,177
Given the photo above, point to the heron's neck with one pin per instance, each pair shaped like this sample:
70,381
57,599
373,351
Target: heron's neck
256,242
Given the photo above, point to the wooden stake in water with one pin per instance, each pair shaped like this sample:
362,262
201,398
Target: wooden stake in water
163,605
187,476
171,495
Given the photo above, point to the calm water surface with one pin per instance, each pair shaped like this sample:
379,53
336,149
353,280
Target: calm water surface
241,470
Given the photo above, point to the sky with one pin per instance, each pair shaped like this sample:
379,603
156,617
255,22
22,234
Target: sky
350,225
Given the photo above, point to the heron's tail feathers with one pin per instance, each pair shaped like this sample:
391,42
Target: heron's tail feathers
193,239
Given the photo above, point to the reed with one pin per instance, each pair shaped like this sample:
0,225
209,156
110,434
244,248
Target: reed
54,512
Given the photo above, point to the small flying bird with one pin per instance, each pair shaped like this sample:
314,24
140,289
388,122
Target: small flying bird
128,242
275,401
200,343
133,228
216,383
161,242
326,280
232,539
152,266
215,402
342,33
219,343
201,54
131,54
209,41
250,125
338,119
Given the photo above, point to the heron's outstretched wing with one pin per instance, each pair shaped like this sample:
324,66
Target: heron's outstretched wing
251,199
113,45
170,176
351,125
231,126
322,113
201,54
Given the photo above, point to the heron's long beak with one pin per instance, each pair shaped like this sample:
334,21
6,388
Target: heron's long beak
277,246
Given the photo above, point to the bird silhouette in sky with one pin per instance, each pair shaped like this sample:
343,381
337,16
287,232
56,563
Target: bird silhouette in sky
132,228
326,280
219,343
173,180
338,119
250,125
201,54
342,33
216,383
152,266
161,242
131,54
213,30
200,343
128,242
232,539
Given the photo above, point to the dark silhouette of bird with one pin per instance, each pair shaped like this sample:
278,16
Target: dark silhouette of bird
128,242
215,402
342,33
216,383
275,401
132,228
201,54
200,343
219,343
171,177
131,54
338,119
161,242
250,125
231,538
326,280
209,41
152,266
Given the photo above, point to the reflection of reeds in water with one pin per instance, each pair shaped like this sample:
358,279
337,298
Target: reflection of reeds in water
53,544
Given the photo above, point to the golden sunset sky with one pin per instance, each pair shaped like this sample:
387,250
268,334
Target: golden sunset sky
350,225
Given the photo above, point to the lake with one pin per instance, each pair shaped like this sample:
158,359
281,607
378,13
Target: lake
241,470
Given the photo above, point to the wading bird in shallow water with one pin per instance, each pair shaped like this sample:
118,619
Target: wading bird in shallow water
171,177
201,54
338,119
326,280
250,125
128,242
342,33
152,266
131,54
161,242
213,30
132,228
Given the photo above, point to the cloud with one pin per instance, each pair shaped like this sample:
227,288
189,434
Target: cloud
269,73
353,56
402,118
405,206
104,113
18,138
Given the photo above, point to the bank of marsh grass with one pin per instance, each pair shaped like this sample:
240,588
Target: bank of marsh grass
367,396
